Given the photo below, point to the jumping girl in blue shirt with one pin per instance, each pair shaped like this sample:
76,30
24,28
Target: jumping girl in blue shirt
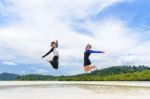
87,62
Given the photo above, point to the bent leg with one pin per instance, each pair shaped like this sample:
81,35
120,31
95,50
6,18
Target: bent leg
55,62
89,68
92,67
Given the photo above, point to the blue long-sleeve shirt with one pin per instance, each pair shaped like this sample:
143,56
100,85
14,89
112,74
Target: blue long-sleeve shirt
87,53
92,51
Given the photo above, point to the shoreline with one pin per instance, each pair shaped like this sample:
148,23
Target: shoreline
102,83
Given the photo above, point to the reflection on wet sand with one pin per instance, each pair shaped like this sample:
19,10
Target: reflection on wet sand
127,90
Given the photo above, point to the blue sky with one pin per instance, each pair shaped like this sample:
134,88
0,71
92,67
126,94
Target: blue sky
135,14
120,28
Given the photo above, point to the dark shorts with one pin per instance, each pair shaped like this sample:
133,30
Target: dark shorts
55,62
87,62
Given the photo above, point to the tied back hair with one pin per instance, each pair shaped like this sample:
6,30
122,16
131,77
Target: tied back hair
87,46
54,43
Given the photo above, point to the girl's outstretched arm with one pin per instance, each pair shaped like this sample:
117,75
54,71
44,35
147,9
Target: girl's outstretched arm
48,53
92,51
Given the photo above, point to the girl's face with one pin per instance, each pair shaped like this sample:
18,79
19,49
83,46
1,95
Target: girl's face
88,47
54,45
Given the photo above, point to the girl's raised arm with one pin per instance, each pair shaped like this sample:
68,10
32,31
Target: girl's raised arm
57,43
48,53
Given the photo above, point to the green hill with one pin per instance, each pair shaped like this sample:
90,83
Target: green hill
8,76
34,77
118,70
114,73
133,76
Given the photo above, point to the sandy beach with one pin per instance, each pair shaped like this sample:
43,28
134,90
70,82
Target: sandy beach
74,90
109,83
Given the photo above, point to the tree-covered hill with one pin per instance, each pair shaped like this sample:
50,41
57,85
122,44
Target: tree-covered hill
8,76
118,73
119,69
34,77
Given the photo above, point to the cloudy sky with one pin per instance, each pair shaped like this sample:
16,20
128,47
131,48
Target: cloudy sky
118,27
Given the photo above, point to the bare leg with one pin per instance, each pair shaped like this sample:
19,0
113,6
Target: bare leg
86,68
89,68
93,66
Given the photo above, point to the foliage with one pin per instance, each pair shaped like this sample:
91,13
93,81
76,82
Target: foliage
114,73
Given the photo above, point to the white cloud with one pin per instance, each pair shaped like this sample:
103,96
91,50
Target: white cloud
45,20
9,63
75,72
41,71
1,5
23,72
41,23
